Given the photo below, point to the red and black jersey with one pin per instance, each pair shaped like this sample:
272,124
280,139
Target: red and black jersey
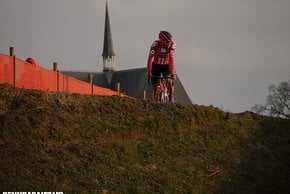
162,53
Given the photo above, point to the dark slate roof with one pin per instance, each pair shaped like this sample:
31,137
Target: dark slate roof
108,49
133,82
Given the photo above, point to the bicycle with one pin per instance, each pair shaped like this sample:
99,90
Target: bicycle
161,92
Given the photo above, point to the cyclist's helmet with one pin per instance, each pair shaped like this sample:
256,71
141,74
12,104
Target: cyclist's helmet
165,36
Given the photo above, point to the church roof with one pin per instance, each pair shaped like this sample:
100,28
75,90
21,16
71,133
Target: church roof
133,82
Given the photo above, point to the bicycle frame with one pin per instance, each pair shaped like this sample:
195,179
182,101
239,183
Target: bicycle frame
161,88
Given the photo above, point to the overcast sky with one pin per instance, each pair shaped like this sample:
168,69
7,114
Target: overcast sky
228,51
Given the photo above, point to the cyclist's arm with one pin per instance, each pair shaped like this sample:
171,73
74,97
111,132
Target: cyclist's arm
172,60
149,64
171,65
151,57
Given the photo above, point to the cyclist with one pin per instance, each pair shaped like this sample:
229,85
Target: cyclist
31,61
161,60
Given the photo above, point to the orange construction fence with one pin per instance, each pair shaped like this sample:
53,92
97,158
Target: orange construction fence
22,74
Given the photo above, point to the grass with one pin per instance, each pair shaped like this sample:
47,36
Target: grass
76,143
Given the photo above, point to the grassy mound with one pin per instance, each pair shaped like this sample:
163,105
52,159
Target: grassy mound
79,143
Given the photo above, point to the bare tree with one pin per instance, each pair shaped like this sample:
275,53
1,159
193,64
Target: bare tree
277,102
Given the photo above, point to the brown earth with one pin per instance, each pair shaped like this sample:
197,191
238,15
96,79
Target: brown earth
99,144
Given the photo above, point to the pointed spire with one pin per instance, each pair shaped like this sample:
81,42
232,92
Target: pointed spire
108,50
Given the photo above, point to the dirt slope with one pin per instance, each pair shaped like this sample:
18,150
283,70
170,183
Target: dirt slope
77,143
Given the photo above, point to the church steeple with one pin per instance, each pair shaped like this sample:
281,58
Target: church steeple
108,50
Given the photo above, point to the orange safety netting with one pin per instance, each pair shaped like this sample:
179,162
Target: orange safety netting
26,75
6,69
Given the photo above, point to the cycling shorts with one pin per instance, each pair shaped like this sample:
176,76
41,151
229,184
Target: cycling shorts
157,70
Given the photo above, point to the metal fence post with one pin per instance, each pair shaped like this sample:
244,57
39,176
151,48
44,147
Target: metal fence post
55,68
144,95
90,77
11,53
118,88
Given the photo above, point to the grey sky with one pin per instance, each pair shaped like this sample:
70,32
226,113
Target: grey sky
228,51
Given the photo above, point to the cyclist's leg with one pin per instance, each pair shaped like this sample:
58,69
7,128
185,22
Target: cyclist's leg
156,82
169,83
171,91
